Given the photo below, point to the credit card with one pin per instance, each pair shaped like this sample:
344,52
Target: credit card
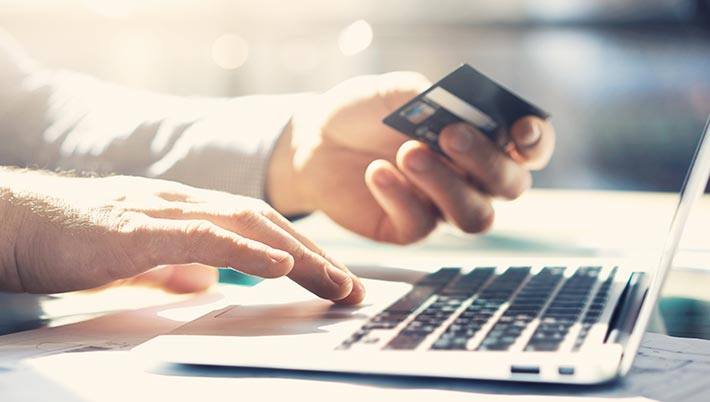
465,95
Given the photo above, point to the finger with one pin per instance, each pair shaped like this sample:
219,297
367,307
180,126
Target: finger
482,160
188,278
534,141
406,217
177,242
357,292
310,270
315,270
458,200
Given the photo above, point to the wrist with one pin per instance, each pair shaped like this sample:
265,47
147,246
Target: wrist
283,189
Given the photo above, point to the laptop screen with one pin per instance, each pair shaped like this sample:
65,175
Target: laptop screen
694,185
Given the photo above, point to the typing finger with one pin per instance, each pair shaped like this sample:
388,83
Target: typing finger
174,242
310,269
357,290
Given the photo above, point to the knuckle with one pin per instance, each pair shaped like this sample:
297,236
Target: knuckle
249,219
144,244
299,253
126,222
199,231
129,234
199,235
317,264
267,211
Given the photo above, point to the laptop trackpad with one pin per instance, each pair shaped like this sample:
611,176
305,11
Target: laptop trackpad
288,319
306,317
273,318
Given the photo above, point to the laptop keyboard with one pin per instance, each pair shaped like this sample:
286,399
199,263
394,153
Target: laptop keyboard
484,311
448,300
526,306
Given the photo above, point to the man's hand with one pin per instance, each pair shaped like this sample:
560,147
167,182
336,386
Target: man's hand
337,156
63,233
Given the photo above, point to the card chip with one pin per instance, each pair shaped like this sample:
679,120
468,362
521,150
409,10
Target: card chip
417,112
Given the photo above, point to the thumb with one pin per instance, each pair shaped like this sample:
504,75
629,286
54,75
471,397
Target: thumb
398,87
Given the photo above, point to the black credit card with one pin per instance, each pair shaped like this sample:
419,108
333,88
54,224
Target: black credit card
465,95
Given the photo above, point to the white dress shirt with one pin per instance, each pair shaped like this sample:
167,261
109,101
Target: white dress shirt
53,119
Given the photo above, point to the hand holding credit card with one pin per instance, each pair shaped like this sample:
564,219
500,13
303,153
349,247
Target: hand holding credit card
465,95
337,155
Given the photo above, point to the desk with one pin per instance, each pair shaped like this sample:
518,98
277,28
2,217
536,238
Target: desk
525,228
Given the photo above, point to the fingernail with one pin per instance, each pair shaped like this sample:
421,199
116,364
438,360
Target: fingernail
462,139
338,277
531,134
384,178
419,161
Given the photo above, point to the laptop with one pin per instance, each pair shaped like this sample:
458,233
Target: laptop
553,320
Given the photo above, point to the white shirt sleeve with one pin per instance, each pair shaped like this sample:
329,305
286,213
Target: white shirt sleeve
53,119
63,120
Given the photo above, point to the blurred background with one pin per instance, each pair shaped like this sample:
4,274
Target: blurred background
626,81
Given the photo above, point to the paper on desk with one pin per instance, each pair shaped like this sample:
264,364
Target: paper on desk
671,369
117,331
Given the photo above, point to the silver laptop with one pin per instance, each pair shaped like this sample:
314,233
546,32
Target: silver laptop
556,320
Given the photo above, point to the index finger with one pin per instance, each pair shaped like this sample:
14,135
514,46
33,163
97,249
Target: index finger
357,292
534,142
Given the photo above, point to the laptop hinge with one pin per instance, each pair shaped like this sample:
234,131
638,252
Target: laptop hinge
627,309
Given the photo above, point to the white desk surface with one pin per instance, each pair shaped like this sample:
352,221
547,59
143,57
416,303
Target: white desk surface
34,365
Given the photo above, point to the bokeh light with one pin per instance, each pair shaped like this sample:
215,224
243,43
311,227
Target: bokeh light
230,51
355,38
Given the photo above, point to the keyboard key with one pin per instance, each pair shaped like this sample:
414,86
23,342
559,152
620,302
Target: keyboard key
595,309
448,300
440,277
401,309
522,310
564,310
487,303
412,300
